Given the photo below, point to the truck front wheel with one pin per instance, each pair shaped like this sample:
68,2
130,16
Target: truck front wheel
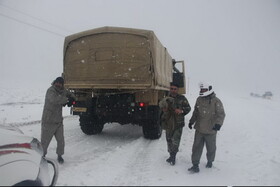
91,125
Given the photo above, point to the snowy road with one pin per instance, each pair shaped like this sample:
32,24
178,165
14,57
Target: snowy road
118,156
247,149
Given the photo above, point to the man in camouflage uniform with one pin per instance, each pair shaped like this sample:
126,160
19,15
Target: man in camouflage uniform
208,117
52,120
174,108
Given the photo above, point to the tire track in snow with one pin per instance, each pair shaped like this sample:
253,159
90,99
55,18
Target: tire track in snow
22,124
101,151
138,167
95,146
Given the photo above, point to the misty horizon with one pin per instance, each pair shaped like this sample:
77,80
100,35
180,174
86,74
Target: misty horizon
233,45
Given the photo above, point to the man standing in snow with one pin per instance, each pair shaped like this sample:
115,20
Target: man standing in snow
174,108
52,120
208,117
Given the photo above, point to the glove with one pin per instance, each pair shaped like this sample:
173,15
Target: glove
190,125
70,101
217,127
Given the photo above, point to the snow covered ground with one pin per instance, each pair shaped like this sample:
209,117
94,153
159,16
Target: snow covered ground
247,146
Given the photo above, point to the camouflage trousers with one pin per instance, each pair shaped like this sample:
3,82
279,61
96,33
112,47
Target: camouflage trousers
50,130
173,138
199,140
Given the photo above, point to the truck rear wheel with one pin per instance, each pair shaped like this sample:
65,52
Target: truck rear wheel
152,127
91,125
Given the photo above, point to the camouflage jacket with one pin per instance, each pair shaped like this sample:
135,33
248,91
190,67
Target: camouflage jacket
171,120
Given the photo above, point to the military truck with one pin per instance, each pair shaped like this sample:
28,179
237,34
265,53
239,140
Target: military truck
119,75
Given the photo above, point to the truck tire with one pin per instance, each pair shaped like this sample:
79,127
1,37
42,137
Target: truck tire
91,125
152,127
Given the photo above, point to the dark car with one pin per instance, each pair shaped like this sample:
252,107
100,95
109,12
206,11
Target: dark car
267,95
22,162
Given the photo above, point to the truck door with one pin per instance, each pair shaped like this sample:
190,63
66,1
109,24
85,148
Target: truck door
179,75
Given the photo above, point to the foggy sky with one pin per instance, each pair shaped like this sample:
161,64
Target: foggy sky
231,44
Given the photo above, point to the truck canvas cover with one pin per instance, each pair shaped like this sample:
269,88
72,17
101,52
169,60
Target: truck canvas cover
116,58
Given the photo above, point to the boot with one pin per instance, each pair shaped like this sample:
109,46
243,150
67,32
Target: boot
60,159
209,165
168,160
172,159
194,168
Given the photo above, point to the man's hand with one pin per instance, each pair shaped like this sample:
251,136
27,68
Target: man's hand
178,111
190,125
217,127
164,109
70,101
